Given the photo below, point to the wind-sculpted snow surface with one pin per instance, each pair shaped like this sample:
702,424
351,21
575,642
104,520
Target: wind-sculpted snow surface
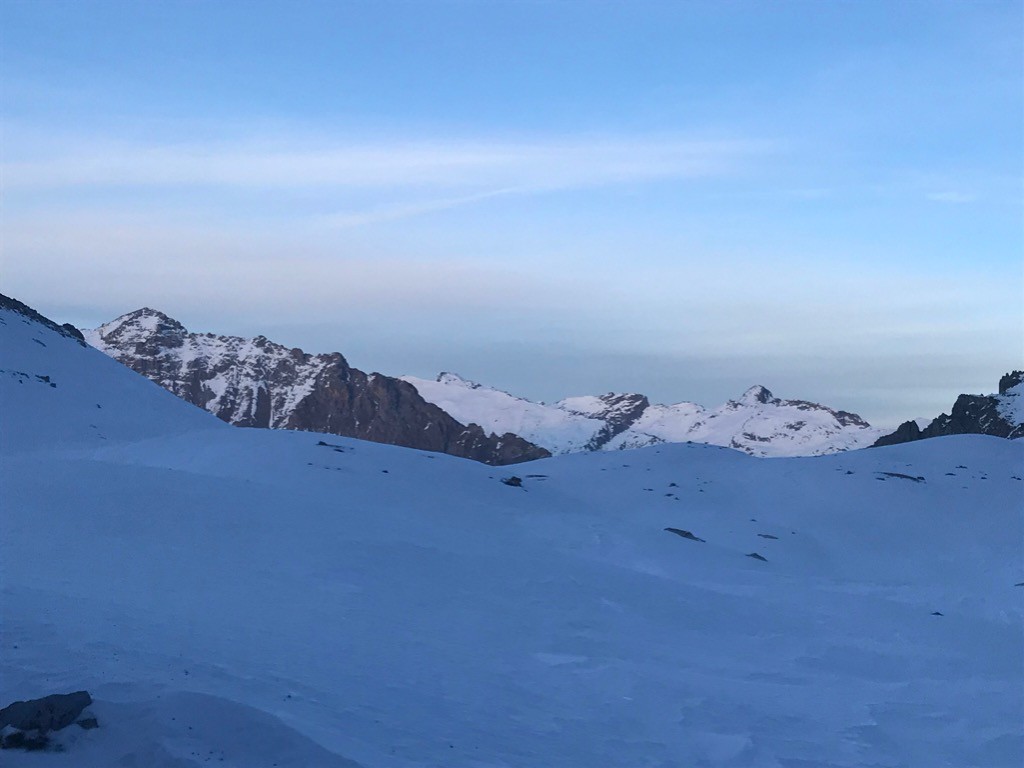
259,598
757,423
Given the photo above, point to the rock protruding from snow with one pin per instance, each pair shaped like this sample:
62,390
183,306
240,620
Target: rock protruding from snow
259,383
1000,415
619,412
757,395
50,713
758,422
68,330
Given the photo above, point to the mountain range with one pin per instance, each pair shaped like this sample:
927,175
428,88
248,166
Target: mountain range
757,422
258,383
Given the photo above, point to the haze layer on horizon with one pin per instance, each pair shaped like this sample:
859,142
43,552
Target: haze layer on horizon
554,198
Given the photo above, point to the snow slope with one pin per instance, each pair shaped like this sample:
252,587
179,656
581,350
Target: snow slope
259,598
556,429
57,392
1011,404
757,423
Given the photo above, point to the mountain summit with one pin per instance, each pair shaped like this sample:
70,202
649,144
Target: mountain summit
757,422
258,383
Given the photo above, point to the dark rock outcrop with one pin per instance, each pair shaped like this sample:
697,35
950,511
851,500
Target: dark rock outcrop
619,412
684,534
258,383
50,713
970,415
1010,380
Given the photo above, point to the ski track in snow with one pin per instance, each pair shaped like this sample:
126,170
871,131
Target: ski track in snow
250,598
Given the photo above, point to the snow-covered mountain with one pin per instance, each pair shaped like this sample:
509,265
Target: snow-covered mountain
1001,415
757,423
258,383
264,598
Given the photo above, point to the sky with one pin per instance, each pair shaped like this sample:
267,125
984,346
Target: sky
553,198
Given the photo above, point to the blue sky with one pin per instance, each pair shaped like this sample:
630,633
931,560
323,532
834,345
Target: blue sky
555,198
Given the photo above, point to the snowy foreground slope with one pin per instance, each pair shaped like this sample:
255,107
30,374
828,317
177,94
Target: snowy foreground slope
246,597
757,422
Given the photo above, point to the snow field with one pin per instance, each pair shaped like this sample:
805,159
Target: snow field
249,597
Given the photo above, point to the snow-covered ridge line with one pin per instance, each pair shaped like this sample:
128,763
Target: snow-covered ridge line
757,423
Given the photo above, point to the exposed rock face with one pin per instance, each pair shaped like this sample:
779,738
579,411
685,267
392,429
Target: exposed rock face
50,713
1010,380
257,383
1000,415
618,412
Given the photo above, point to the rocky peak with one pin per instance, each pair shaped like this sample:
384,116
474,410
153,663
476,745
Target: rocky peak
259,383
446,377
143,327
1010,380
757,395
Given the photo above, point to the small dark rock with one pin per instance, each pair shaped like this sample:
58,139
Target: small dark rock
515,482
88,723
757,557
901,476
767,536
936,613
684,534
30,742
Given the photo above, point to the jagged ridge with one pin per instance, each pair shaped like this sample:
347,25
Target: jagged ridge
6,302
757,423
1001,415
259,383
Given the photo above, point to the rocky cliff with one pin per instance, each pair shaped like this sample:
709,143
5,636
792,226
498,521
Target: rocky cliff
1000,415
258,383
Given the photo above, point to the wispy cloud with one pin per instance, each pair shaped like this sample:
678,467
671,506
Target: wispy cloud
346,219
950,196
543,164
